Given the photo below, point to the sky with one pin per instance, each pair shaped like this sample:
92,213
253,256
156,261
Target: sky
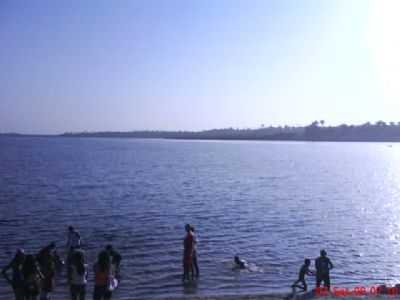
68,66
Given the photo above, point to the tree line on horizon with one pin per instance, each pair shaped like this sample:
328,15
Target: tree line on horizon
316,131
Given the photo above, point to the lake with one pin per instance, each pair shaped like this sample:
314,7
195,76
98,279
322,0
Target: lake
272,203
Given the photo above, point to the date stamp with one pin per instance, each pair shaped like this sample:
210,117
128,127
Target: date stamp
357,291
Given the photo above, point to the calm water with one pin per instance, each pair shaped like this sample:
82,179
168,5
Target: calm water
272,203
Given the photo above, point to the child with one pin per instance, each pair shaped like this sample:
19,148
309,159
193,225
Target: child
304,270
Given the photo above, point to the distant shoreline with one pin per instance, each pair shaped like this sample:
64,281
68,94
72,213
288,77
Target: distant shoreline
315,132
200,139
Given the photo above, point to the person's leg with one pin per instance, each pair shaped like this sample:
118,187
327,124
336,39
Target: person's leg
196,266
82,292
327,282
43,295
18,293
185,271
107,295
187,268
318,283
295,284
304,285
74,292
96,293
191,270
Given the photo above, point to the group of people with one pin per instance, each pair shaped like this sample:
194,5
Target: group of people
33,276
323,265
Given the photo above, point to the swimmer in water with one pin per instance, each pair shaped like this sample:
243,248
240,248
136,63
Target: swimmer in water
240,263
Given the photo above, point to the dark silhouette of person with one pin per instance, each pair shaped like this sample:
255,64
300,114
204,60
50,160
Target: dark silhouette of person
240,263
323,265
195,265
304,270
47,260
17,279
32,278
114,255
188,253
116,258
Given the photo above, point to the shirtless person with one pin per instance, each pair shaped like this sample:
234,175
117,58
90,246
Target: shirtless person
323,265
304,270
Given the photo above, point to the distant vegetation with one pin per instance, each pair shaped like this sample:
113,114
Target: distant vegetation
316,131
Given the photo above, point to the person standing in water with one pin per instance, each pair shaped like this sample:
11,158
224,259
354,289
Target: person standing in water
73,239
323,265
47,263
188,253
16,281
195,265
102,274
73,242
32,278
77,276
304,270
115,258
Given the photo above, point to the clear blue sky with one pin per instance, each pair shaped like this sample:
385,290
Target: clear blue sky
197,64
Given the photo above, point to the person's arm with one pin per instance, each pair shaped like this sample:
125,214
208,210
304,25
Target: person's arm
86,272
69,274
4,273
78,238
68,245
39,273
330,264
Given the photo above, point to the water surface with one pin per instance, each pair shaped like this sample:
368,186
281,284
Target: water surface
273,203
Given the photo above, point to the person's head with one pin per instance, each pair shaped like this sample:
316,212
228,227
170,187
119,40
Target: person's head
323,253
307,262
237,259
19,256
187,227
71,229
109,248
192,228
52,246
